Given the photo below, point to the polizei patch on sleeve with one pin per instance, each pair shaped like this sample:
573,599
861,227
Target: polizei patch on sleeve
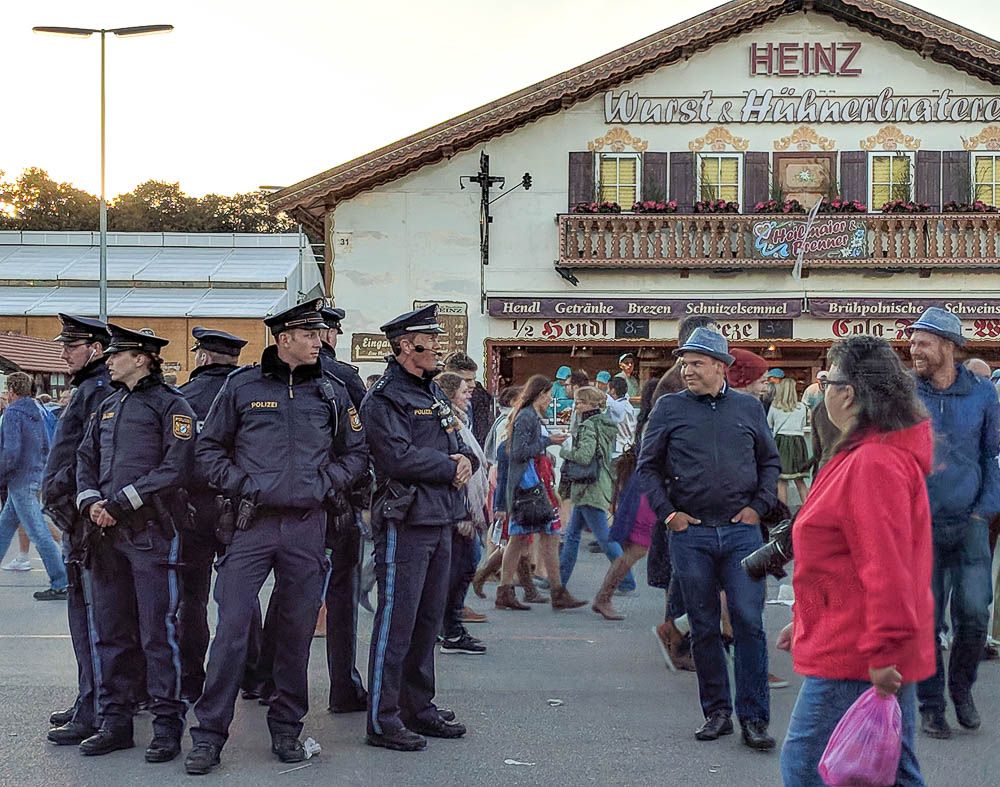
183,427
355,419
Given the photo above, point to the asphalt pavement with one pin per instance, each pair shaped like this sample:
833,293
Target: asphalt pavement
560,699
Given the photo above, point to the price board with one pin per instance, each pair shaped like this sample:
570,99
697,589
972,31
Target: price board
453,317
631,329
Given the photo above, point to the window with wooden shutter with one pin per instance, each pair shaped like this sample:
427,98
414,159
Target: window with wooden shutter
890,178
720,177
986,178
618,178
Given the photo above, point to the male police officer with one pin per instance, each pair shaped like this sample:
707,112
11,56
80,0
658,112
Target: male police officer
282,441
83,341
421,464
217,354
132,462
343,540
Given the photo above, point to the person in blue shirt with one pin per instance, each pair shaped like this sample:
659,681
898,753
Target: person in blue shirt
562,392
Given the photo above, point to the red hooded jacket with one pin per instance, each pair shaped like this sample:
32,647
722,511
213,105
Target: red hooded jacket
863,560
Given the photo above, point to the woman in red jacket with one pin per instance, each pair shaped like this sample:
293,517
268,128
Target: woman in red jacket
864,612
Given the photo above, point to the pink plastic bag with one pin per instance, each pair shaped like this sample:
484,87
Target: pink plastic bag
865,747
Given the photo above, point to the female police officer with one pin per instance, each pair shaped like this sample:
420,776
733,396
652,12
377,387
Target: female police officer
132,462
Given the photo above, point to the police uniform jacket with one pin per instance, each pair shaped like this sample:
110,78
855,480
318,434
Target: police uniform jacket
138,443
93,386
344,372
410,446
286,439
200,391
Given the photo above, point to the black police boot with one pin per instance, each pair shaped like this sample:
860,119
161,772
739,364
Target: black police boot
397,740
288,747
202,758
755,735
438,729
716,724
447,714
965,710
107,740
70,733
163,748
61,717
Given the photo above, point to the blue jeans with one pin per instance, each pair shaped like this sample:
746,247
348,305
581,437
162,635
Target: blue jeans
820,705
962,564
23,506
597,521
705,560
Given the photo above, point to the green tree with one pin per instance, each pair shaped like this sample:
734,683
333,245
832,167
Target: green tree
39,203
153,206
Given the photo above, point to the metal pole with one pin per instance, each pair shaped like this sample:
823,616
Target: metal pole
103,206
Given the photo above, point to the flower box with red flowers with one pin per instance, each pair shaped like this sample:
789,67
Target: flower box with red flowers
841,205
651,206
905,206
716,206
597,207
968,207
773,206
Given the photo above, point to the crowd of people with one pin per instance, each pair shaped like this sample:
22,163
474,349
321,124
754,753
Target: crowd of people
419,481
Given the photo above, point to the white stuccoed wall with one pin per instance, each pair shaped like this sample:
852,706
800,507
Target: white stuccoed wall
417,238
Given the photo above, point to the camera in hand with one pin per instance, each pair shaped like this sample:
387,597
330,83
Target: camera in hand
773,556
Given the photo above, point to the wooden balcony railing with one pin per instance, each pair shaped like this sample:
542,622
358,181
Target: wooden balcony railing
644,240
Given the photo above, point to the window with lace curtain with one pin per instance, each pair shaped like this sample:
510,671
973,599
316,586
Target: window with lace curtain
618,178
986,178
719,177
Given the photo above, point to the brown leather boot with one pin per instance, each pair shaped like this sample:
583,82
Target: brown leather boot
483,574
602,601
561,599
527,583
675,646
507,598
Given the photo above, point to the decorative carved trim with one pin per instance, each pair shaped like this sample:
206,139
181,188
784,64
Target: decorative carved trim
989,138
717,139
803,138
617,139
890,138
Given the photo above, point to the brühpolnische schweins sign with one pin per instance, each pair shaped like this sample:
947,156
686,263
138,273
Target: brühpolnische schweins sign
842,237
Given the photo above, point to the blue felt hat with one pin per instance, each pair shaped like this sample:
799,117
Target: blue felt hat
776,373
563,373
707,342
603,377
941,323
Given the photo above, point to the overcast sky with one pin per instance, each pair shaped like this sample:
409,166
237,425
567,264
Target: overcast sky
246,93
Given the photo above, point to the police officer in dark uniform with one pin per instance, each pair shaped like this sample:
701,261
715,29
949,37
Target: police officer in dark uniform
132,462
343,541
83,341
217,354
282,441
421,465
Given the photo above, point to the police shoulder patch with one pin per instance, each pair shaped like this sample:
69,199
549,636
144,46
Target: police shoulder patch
183,427
355,419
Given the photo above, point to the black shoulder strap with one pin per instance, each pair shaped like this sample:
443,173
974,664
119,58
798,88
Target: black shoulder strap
330,397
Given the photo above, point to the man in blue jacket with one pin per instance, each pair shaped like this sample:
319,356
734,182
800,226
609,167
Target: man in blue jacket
964,492
24,445
709,468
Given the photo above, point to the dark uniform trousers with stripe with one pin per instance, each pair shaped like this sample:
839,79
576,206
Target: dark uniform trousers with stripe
412,565
291,543
135,587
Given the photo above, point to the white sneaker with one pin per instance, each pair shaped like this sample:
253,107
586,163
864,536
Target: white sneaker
17,564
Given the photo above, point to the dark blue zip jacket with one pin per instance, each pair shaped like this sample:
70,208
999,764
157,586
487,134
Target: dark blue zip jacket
24,443
287,439
409,444
708,456
344,372
93,386
200,391
965,478
139,443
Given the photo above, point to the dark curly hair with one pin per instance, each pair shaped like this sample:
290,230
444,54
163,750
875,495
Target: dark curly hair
885,393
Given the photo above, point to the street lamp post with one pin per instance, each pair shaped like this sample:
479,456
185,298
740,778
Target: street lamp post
121,32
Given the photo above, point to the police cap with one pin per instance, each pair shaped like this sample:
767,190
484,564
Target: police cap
332,318
142,341
216,341
82,329
418,321
303,315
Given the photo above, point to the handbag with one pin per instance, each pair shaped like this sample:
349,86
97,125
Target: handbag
531,505
583,474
